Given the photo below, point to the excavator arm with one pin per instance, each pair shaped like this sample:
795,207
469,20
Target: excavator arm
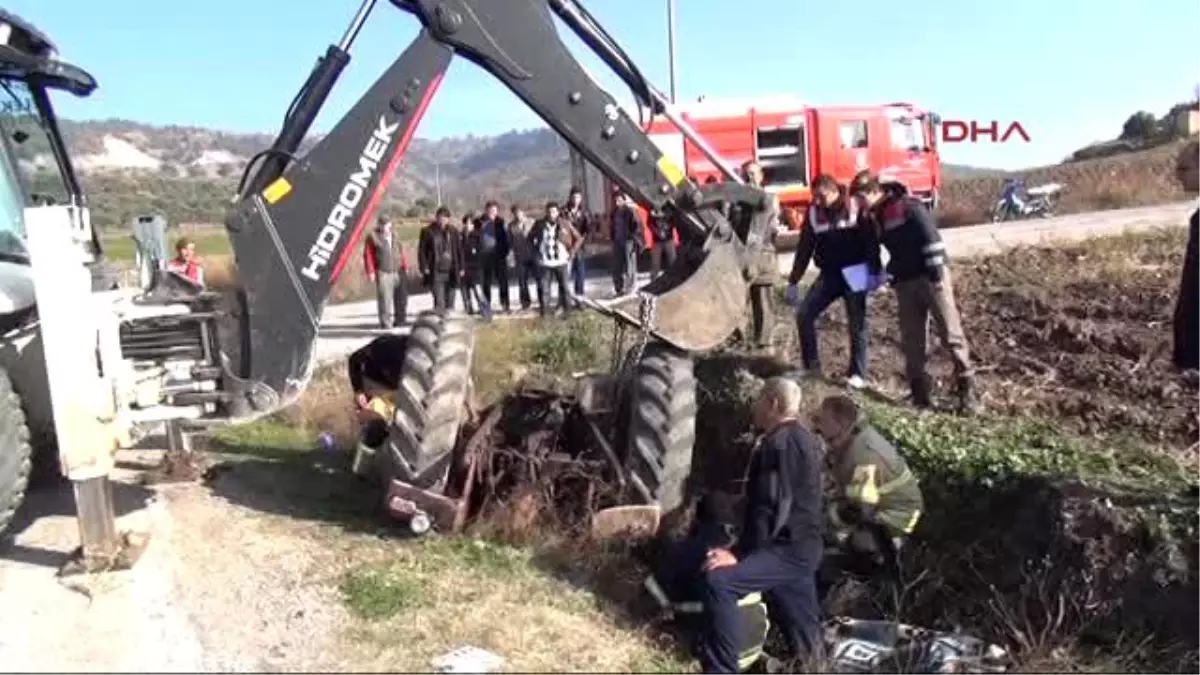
298,217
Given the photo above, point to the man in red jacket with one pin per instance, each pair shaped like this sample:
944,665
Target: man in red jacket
387,267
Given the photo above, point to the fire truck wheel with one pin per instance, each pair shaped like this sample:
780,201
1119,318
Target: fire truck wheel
430,401
662,425
15,453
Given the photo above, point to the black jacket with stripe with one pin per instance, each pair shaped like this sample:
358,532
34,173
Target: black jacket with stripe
909,232
835,237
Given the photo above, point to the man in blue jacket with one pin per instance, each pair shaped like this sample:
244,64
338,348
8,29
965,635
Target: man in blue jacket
493,253
780,546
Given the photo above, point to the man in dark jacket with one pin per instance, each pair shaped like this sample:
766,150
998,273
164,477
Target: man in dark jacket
627,232
779,547
662,231
576,212
374,371
919,273
1186,323
439,259
847,258
493,252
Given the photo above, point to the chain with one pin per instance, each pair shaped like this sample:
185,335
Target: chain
647,310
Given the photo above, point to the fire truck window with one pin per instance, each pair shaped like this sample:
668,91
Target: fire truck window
853,134
907,135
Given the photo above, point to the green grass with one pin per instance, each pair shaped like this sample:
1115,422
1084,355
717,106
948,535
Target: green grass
119,247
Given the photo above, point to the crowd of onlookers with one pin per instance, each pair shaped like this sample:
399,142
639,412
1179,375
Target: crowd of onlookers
476,258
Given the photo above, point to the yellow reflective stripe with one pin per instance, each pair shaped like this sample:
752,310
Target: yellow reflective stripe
862,486
696,607
748,658
912,522
896,483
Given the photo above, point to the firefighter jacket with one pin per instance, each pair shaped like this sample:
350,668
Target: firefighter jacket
875,484
835,237
908,231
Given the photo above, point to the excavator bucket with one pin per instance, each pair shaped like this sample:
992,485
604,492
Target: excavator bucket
697,303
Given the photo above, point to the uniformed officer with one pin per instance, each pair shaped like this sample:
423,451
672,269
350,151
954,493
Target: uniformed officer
847,256
921,278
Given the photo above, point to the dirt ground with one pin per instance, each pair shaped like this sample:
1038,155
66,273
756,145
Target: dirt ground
1080,334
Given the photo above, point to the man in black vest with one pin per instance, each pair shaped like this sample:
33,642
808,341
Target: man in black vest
386,264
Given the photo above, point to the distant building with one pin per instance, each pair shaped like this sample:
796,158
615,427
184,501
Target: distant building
1187,119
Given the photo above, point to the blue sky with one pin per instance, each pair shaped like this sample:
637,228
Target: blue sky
1070,71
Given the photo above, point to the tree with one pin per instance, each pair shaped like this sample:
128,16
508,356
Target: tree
1140,126
412,212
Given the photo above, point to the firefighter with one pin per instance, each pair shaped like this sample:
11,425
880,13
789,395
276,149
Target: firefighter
918,272
847,257
764,271
374,371
1186,324
879,501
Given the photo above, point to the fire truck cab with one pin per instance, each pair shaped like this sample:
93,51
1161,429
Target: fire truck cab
795,142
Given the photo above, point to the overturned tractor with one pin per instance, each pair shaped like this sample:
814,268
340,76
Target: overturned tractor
634,429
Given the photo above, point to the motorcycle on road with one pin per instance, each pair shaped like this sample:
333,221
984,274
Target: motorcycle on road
1037,202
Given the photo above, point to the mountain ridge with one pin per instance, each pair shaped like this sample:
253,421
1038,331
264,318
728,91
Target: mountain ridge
187,173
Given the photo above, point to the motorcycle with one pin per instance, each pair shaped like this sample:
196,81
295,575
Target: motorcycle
1040,202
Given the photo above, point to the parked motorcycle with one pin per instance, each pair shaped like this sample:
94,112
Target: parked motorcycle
1038,202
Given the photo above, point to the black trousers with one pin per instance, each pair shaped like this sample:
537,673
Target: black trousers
495,270
788,578
527,273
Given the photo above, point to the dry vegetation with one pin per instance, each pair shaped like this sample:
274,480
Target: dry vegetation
1134,179
1060,521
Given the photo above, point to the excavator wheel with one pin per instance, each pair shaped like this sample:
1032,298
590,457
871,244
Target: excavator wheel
15,452
662,425
435,382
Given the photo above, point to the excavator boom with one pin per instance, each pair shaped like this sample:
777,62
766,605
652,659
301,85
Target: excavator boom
298,218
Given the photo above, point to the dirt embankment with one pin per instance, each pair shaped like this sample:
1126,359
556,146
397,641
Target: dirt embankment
1078,334
1123,181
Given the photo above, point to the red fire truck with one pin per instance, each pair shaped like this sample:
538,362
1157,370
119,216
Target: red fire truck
794,143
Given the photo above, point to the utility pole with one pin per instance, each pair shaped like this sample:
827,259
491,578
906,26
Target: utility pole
437,181
671,45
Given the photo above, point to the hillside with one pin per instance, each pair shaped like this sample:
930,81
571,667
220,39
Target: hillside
188,173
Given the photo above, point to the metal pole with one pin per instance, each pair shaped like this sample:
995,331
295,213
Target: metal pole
671,46
356,25
437,180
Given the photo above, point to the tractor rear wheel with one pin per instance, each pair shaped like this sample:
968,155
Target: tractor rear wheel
662,425
431,401
15,452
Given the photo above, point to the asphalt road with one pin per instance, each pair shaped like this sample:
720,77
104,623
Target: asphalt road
348,326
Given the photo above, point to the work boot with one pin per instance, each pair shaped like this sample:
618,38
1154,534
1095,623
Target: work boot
921,393
964,392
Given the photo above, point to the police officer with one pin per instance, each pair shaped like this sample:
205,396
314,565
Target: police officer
879,499
847,256
919,274
765,271
780,544
1186,322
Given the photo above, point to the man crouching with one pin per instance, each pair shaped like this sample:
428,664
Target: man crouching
374,371
879,499
779,547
